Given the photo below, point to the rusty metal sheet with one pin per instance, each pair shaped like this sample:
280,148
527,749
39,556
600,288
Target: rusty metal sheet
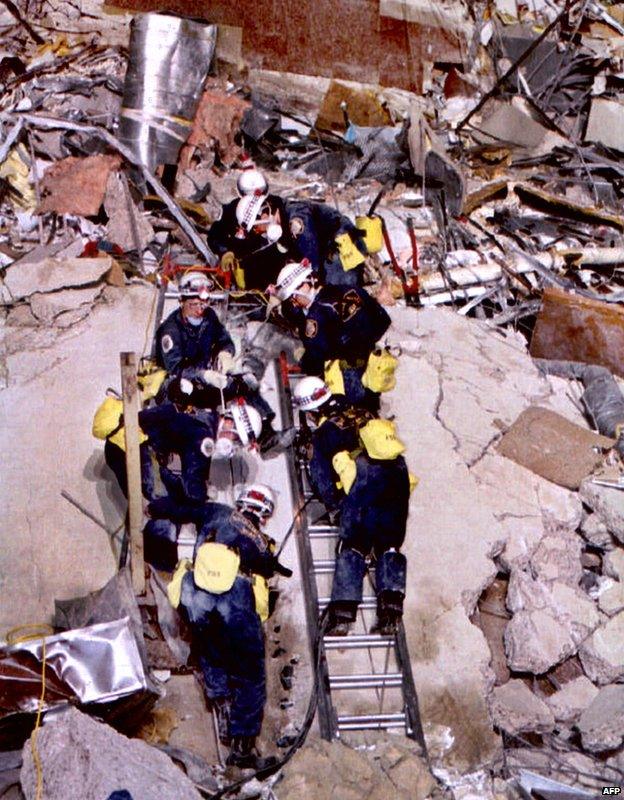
574,328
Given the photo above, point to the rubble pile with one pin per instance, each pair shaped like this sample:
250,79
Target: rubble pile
500,189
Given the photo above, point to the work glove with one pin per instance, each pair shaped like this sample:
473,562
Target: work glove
186,386
228,261
213,378
225,362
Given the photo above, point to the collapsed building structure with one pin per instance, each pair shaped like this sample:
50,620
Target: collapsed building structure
487,137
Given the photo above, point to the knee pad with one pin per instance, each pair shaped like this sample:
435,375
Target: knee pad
348,576
391,572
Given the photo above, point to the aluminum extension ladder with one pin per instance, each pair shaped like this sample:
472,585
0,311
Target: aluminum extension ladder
388,676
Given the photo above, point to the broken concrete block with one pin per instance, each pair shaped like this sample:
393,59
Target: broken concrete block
81,758
602,724
508,124
607,503
611,597
46,307
21,317
516,709
613,564
76,185
595,531
572,699
530,639
51,274
126,226
602,654
558,557
551,446
574,328
535,641
606,123
332,770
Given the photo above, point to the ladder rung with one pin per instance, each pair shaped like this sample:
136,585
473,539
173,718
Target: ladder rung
367,603
324,566
323,528
371,722
372,681
357,640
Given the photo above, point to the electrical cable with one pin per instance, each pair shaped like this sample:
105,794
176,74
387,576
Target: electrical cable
12,639
266,772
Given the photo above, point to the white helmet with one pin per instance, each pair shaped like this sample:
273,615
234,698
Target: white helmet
291,277
195,284
248,209
251,180
311,393
247,421
257,496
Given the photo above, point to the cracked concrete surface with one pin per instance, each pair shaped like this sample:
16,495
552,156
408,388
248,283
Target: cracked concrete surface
460,385
55,381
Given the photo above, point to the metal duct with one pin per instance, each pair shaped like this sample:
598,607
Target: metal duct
168,64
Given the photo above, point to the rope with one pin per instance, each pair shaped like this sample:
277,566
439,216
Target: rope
13,638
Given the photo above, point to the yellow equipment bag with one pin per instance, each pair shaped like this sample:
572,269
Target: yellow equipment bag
260,587
107,417
333,377
380,440
106,423
350,256
174,588
373,232
150,382
346,468
379,375
216,567
231,263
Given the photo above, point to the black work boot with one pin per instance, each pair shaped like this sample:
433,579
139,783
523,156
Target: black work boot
272,442
389,613
220,706
243,754
341,616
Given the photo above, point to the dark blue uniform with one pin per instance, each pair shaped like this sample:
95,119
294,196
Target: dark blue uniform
373,513
226,628
345,324
260,260
170,431
314,227
184,350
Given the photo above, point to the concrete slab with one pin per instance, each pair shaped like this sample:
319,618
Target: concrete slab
50,549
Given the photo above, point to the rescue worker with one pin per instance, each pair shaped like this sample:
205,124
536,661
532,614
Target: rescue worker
338,327
329,240
194,347
258,233
223,598
251,240
357,469
108,425
192,338
198,438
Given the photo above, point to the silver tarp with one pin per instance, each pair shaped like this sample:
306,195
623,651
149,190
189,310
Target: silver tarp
168,64
95,664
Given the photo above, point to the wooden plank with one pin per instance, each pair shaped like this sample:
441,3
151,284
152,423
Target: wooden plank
130,394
